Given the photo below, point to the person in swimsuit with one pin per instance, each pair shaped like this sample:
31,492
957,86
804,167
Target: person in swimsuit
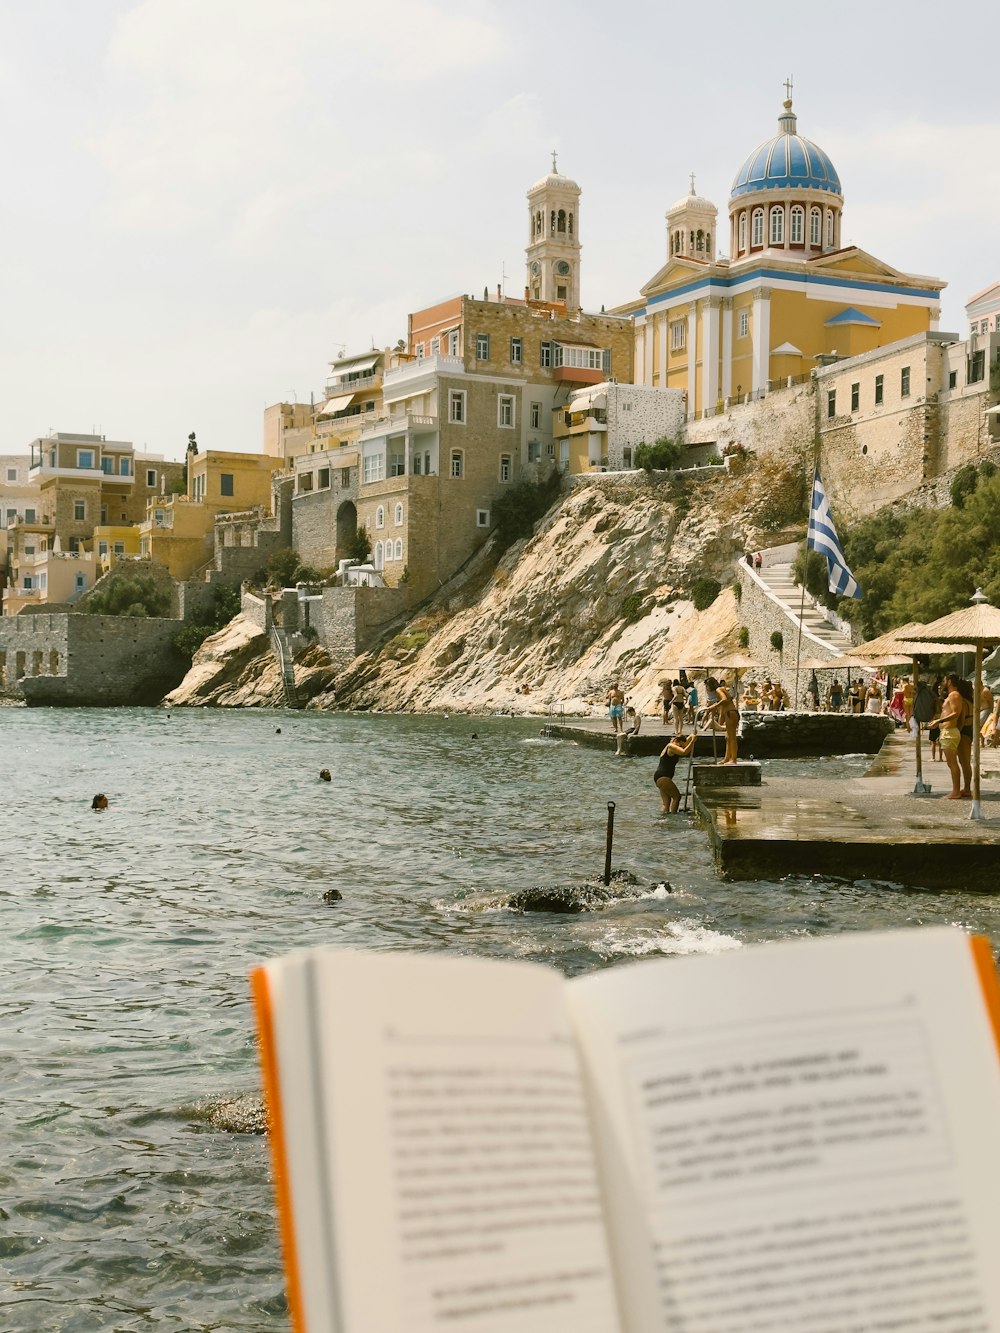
726,712
678,707
958,712
616,708
678,748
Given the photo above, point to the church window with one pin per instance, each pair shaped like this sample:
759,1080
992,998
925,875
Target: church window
855,397
829,230
814,226
692,242
757,227
571,224
561,220
552,223
743,231
678,335
708,242
699,244
797,225
904,382
777,226
744,324
879,389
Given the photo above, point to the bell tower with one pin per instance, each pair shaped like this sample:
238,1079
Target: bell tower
691,227
553,250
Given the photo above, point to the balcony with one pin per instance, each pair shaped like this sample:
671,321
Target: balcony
397,424
335,388
400,382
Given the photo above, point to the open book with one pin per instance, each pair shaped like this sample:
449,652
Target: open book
801,1136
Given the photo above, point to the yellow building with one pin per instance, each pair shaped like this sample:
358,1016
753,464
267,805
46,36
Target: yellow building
789,297
113,543
179,531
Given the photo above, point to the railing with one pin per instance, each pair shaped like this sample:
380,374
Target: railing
281,652
336,387
428,365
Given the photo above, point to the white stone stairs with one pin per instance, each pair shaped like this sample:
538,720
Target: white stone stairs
779,581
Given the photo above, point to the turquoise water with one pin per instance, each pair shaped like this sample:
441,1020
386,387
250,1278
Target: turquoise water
128,937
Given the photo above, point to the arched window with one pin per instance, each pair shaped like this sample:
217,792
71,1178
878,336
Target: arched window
380,517
708,242
757,227
797,225
561,220
699,243
692,243
571,224
814,226
829,230
777,226
399,548
398,516
378,555
552,226
743,231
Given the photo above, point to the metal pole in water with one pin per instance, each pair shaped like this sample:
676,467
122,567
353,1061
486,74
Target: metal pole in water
610,839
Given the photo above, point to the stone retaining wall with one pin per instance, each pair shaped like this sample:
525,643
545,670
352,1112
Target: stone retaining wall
348,620
777,734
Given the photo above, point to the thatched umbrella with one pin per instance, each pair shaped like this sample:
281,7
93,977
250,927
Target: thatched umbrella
978,624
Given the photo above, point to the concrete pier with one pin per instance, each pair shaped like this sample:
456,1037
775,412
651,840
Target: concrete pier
870,827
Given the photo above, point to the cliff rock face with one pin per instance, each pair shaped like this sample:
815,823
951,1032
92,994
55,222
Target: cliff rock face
598,594
601,593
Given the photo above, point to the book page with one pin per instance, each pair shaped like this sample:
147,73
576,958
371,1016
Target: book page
441,1165
804,1136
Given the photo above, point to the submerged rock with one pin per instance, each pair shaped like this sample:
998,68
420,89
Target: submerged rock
243,1114
585,897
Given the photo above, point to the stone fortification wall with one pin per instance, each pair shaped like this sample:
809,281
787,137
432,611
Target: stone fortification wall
85,660
784,420
348,620
776,734
314,525
257,610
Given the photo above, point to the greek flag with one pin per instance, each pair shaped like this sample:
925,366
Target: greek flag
822,537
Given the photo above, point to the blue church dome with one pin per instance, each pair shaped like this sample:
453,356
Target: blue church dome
786,162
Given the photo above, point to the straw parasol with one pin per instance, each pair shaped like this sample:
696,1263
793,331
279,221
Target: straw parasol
978,624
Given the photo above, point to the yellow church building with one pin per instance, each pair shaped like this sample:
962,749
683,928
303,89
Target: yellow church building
788,298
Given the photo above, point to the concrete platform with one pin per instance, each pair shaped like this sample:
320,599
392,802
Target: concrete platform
870,827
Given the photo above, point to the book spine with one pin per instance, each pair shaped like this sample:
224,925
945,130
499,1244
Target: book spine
982,954
276,1137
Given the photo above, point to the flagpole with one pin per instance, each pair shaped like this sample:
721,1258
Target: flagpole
805,571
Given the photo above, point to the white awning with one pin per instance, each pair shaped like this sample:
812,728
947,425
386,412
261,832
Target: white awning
334,405
355,367
586,402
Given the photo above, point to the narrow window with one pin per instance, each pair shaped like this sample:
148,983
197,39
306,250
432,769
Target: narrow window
814,226
435,346
29,515
545,356
399,548
798,224
456,406
418,351
536,416
952,379
777,226
482,518
678,335
515,351
226,483
505,410
757,227
744,324
855,397
904,382
380,517
453,343
831,402
456,463
976,367
743,231
151,478
505,467
79,510
397,516
482,346
829,230
879,389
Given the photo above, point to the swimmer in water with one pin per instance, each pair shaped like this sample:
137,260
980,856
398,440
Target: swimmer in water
325,775
100,802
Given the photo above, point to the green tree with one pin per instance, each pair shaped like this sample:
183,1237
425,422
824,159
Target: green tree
360,548
281,567
130,595
519,508
661,456
704,591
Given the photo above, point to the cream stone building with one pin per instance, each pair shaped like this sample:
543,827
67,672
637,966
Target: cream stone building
983,311
599,426
789,294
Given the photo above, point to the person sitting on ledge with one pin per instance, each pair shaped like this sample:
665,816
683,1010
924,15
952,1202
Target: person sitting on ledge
633,721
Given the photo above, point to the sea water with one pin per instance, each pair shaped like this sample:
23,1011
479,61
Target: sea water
127,937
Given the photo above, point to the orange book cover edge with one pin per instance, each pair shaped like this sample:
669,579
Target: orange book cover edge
982,953
279,1157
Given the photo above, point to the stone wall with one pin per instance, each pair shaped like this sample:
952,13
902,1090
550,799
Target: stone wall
784,420
89,660
257,610
762,615
348,620
777,734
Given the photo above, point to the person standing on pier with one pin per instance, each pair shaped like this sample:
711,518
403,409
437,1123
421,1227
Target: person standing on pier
616,707
725,712
956,722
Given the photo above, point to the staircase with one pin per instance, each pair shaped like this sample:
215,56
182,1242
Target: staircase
777,578
279,645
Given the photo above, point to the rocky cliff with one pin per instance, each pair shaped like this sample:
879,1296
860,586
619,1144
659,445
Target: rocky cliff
601,592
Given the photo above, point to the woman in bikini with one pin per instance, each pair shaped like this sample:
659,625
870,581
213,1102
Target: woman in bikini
957,713
726,712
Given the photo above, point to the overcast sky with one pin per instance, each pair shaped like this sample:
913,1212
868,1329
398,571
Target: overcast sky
206,200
